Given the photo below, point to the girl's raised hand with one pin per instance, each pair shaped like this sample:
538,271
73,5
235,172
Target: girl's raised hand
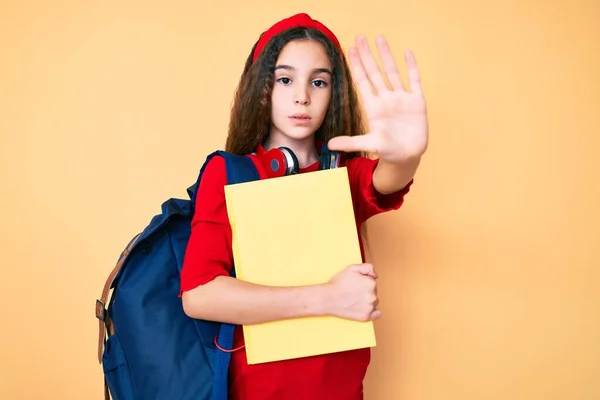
397,117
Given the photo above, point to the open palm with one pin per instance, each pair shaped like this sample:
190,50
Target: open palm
397,117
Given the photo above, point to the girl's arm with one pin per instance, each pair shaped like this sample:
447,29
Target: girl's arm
390,178
351,294
230,300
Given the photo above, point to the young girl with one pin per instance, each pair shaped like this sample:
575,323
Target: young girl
296,91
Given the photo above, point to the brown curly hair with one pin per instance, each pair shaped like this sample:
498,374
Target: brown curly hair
250,123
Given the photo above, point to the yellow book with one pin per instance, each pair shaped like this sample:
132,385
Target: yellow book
293,231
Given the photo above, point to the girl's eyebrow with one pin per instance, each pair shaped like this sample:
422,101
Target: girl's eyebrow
316,70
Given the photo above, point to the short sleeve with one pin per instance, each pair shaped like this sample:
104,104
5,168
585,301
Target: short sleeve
368,202
208,252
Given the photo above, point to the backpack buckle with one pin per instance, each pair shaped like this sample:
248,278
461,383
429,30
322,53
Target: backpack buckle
100,310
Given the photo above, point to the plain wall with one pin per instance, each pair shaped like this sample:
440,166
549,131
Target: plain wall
489,273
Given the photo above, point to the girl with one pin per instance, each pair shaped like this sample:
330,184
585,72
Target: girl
296,91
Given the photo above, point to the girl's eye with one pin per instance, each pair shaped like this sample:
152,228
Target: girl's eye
318,82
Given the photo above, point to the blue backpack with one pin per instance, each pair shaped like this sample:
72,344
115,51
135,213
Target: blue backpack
148,347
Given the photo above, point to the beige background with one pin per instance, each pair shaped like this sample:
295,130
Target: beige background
489,273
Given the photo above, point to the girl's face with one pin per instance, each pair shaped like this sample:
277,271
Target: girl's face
301,91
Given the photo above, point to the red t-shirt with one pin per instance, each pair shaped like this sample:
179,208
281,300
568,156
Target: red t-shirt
209,254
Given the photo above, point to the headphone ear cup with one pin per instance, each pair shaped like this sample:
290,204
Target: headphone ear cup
292,166
328,159
280,162
274,162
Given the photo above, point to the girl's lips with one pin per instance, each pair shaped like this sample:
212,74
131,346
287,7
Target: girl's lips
300,119
300,116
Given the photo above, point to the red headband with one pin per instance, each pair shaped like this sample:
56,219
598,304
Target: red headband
298,20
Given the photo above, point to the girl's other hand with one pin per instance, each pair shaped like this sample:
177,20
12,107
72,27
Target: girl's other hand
352,294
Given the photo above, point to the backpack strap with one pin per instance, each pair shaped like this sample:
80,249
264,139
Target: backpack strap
103,321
